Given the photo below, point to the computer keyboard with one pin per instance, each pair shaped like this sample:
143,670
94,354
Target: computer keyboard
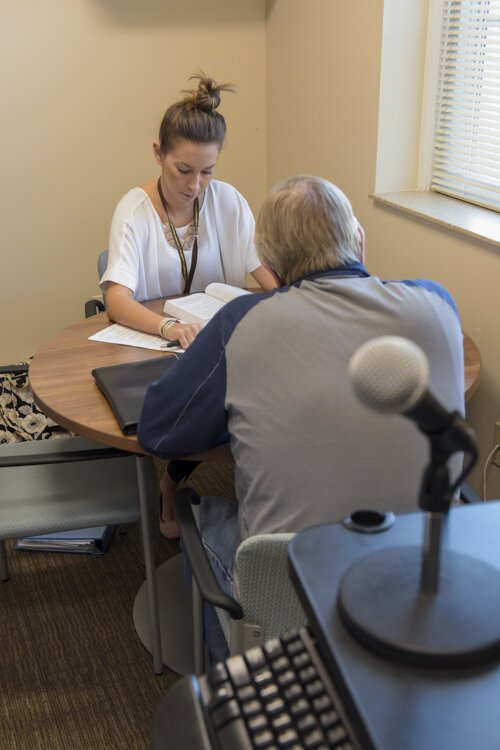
273,697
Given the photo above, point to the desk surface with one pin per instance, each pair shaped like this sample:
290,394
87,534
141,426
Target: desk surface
63,386
401,705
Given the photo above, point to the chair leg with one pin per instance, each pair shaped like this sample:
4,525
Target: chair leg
198,628
143,463
4,564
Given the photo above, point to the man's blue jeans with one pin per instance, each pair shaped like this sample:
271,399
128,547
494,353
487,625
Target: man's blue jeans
221,537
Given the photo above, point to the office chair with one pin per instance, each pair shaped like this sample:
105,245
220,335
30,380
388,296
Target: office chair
71,483
267,603
93,306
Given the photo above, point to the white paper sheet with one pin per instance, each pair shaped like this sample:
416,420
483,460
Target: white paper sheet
118,334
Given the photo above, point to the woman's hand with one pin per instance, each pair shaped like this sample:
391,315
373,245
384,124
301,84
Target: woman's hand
122,308
184,333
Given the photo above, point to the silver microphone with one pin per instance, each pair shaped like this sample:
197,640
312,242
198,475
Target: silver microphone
390,374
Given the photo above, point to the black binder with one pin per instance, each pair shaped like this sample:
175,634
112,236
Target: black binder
125,387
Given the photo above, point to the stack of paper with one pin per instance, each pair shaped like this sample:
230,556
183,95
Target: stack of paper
93,541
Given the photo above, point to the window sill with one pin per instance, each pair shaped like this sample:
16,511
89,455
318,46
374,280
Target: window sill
474,221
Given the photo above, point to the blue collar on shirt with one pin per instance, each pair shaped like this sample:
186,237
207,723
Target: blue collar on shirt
354,269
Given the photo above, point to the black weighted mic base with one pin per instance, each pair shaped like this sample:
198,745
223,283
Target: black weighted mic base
382,604
429,605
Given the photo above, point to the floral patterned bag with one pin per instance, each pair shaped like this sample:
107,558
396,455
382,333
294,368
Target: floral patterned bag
20,418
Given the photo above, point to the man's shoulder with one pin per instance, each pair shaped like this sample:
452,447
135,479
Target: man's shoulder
237,309
429,286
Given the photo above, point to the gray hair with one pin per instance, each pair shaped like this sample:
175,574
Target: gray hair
306,224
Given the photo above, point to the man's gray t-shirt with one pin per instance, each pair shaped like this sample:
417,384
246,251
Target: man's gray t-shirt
271,370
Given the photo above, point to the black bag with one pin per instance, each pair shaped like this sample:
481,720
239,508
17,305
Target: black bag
125,387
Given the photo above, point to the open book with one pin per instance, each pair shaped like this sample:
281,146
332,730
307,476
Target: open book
201,306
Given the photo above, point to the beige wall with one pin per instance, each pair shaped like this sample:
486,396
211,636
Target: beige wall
323,73
83,87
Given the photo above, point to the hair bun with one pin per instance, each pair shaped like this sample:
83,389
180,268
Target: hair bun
207,96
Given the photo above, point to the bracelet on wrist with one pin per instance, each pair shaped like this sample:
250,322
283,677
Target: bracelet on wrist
165,324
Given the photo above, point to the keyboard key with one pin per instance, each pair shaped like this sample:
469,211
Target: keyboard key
337,735
273,648
307,723
328,719
238,671
322,703
255,658
280,664
308,674
234,735
314,688
314,740
250,708
294,646
246,693
225,713
287,738
222,694
286,678
290,635
269,691
301,660
275,706
293,691
263,739
282,721
299,707
258,722
263,677
218,673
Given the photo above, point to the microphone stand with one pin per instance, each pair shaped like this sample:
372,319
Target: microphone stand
436,492
424,605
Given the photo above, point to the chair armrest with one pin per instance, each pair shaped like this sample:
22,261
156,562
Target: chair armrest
467,494
93,306
193,547
21,369
61,457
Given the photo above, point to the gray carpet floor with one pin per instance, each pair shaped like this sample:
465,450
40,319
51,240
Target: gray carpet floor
73,671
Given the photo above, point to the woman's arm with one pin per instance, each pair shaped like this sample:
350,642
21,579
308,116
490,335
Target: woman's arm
122,308
264,278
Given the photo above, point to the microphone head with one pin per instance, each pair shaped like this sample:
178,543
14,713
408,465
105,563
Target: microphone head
389,374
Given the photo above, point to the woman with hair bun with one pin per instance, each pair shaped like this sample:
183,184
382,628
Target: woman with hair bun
183,230
180,232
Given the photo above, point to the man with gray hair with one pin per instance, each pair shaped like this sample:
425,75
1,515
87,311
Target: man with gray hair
269,373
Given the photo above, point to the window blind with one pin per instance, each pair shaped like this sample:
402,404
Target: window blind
466,151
